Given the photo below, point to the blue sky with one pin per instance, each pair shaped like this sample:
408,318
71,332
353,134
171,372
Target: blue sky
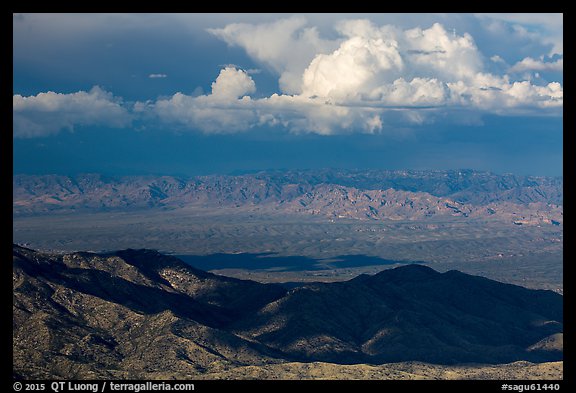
221,93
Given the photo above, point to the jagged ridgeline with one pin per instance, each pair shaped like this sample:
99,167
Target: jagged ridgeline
367,194
141,314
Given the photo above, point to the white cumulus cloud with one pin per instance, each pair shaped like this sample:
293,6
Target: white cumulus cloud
386,63
286,46
352,69
530,64
232,83
228,108
373,77
366,78
49,113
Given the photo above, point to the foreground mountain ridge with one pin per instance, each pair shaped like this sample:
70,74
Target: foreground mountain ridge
141,314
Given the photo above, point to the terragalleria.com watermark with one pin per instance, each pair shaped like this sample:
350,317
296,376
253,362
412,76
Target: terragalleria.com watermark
101,387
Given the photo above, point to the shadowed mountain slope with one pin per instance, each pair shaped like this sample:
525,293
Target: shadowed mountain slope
410,313
140,314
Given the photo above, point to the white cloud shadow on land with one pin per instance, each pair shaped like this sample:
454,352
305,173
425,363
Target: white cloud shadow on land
48,113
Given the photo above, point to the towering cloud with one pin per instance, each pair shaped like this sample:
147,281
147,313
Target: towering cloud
232,84
227,109
286,46
366,78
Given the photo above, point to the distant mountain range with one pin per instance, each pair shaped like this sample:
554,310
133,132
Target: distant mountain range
334,194
141,314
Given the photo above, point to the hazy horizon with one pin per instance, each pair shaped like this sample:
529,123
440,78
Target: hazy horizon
241,172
